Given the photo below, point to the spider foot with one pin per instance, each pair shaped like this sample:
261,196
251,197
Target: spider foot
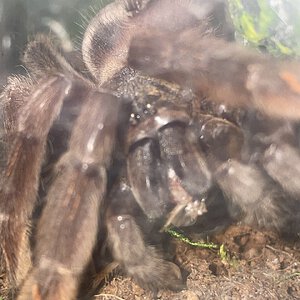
141,261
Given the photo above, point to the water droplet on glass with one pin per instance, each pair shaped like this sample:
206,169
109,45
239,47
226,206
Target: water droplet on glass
6,42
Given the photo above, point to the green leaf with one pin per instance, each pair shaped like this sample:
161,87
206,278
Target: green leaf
273,25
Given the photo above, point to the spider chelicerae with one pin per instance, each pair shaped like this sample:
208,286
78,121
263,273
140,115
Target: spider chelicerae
170,113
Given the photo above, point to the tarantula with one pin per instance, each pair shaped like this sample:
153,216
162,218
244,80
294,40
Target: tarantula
135,153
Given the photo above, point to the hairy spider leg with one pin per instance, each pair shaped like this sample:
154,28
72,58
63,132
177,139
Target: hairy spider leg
251,79
20,175
68,226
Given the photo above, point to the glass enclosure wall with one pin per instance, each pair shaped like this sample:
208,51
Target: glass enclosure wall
21,19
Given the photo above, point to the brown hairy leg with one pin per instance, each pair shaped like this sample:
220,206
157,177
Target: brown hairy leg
20,175
69,222
195,59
